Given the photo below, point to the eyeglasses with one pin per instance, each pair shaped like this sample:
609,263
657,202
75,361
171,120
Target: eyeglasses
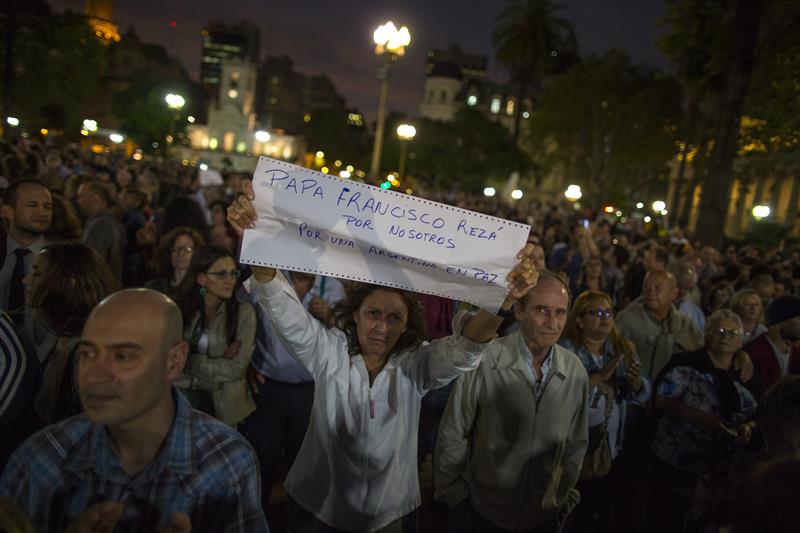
224,274
730,332
182,249
599,313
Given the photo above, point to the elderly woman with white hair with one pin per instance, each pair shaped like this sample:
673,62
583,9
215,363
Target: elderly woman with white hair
704,412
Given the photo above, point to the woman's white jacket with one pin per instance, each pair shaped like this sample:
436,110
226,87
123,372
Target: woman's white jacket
357,467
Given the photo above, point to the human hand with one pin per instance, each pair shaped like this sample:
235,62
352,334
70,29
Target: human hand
634,375
147,235
242,215
232,350
255,378
609,368
99,518
179,523
522,278
743,363
321,310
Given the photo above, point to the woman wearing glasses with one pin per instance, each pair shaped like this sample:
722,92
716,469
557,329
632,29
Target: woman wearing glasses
615,381
221,336
704,411
173,256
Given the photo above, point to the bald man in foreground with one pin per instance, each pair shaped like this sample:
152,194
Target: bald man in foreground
139,458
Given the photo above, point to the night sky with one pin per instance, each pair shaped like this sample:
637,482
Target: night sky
335,37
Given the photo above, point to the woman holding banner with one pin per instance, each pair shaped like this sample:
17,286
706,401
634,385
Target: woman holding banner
357,467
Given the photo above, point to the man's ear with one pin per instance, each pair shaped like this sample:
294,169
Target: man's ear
176,360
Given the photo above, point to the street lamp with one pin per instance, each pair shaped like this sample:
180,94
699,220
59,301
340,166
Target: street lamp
406,132
176,103
659,206
761,212
390,44
573,193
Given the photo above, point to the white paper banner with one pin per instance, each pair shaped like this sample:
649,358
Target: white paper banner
321,224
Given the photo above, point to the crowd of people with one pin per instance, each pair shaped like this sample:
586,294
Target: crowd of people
151,382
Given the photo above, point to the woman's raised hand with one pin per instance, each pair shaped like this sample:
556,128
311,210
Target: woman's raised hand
242,215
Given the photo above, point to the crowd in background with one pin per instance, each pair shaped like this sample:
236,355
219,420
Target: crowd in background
689,350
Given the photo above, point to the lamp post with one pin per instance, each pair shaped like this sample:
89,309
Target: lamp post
760,212
406,132
390,44
174,102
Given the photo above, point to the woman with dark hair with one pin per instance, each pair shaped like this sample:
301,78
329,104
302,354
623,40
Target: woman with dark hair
65,225
357,467
221,335
65,283
173,257
595,277
717,297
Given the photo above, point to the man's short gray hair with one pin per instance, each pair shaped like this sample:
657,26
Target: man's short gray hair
723,314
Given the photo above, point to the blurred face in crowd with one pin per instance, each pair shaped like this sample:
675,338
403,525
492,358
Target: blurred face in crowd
218,215
650,259
721,297
596,319
33,278
659,291
750,307
723,337
543,315
88,201
128,355
594,267
790,331
380,321
538,257
33,211
182,252
220,280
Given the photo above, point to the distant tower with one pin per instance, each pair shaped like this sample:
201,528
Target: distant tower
100,15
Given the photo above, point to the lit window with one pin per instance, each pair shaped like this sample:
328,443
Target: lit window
495,107
235,75
472,100
232,94
213,143
510,106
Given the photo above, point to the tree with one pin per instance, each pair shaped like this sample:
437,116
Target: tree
466,153
57,62
143,112
528,38
609,124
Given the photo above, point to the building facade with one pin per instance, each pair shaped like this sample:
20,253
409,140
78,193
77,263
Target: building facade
221,42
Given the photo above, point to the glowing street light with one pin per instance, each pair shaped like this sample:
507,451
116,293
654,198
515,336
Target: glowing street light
406,132
761,212
262,136
90,125
390,44
647,219
12,121
116,138
516,194
639,205
659,206
175,101
489,192
573,193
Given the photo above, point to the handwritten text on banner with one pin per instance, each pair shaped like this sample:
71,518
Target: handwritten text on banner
313,222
